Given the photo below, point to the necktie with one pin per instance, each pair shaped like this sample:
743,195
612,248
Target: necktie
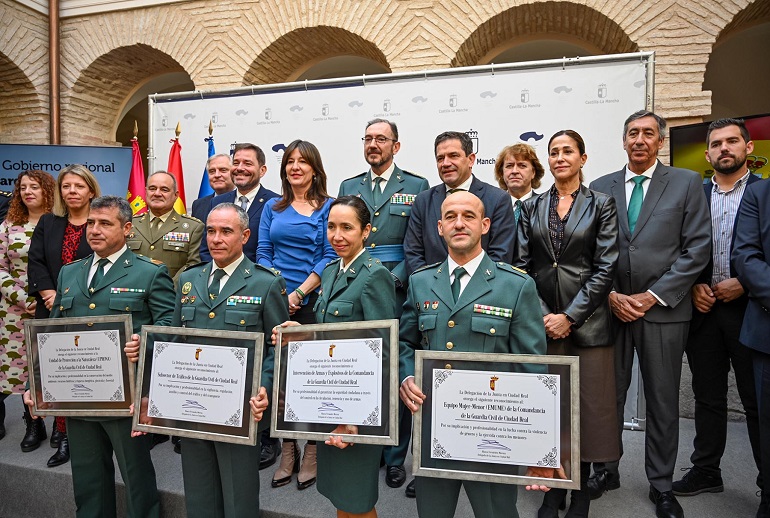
459,272
214,287
517,210
244,202
155,228
452,191
377,191
98,274
635,203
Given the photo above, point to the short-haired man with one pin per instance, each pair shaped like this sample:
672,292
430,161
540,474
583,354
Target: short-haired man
720,303
248,169
751,262
462,282
454,159
113,277
218,168
162,233
389,193
518,171
664,242
230,293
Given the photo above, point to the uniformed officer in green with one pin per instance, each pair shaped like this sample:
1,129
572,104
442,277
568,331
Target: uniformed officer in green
112,281
388,192
233,294
466,303
162,233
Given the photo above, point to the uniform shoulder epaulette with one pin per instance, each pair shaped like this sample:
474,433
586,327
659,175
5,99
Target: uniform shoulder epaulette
412,174
428,266
510,268
149,260
265,268
333,261
188,216
373,261
78,260
138,216
196,265
6,194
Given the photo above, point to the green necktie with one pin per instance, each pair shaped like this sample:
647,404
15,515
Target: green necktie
517,211
377,192
214,287
98,274
635,204
459,272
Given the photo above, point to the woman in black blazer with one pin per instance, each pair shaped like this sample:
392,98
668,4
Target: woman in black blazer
58,239
567,241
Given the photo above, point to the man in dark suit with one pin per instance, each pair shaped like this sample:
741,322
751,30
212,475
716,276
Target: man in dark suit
720,303
248,169
463,282
455,158
389,193
105,283
664,243
218,168
751,261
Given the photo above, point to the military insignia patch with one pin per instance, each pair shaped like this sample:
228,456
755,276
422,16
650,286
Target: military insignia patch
435,304
186,288
426,304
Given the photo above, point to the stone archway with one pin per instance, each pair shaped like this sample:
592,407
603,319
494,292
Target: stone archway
92,106
295,52
736,54
574,26
23,115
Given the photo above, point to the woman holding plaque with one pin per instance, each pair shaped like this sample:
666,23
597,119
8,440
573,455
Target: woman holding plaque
354,288
292,240
58,239
568,243
32,197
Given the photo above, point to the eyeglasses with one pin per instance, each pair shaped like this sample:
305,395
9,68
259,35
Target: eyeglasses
379,139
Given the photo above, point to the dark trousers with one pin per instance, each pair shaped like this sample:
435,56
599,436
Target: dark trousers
762,379
437,498
712,346
660,347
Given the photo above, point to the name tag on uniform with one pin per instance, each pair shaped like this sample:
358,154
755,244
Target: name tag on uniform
179,237
237,299
126,290
493,310
403,199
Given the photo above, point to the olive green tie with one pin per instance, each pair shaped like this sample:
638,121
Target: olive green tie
377,192
214,287
635,203
98,274
459,272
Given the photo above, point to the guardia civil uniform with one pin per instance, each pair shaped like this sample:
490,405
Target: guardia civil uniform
222,479
142,288
497,312
363,291
389,220
176,243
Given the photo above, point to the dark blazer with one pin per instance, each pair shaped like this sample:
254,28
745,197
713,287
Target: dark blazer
671,244
5,201
751,261
255,213
45,257
578,284
201,207
423,245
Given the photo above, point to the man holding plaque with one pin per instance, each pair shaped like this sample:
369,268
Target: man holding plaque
112,281
447,309
230,293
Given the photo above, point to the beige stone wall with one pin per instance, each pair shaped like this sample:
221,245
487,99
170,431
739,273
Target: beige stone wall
224,44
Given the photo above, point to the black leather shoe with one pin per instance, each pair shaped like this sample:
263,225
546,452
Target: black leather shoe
34,435
62,454
178,446
395,476
602,481
56,436
158,439
410,491
666,505
696,481
271,449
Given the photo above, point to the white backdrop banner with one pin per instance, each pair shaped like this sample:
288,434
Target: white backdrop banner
497,105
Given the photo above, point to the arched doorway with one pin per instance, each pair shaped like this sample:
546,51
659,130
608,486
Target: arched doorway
23,118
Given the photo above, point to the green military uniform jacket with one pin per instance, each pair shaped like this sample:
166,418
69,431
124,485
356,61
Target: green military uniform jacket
177,243
253,299
390,217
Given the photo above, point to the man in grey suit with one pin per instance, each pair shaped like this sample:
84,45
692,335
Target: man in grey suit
455,158
665,243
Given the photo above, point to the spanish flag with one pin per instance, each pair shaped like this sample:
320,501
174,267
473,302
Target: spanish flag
175,169
136,186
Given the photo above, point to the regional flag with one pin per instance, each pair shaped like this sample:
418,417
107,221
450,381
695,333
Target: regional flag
175,169
136,186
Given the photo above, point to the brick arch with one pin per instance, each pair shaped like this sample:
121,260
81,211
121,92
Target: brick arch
91,107
753,14
546,20
22,111
280,60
